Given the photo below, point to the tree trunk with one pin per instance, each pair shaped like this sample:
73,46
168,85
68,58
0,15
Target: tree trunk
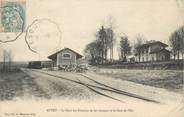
106,54
112,52
125,56
174,56
9,66
4,63
102,56
178,55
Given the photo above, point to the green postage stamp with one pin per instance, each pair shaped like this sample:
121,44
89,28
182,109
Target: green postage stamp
12,16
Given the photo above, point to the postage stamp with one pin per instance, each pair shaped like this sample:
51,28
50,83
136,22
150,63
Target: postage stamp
12,16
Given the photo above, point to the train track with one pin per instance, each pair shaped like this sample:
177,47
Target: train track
120,91
100,86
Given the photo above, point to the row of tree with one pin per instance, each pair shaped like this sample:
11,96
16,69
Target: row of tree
97,51
177,43
126,49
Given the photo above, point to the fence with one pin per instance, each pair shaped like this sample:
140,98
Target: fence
173,64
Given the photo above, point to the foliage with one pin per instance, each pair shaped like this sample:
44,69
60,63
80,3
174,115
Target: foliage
96,51
125,47
177,42
140,40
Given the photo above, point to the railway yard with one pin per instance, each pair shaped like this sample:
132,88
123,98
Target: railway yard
37,84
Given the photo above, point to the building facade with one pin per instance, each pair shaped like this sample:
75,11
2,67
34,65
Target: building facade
65,57
152,51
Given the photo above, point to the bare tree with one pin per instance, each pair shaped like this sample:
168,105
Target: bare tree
4,60
10,59
1,57
177,42
140,40
181,32
110,42
111,36
7,60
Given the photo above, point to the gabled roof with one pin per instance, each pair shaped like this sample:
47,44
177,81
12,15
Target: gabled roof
54,56
152,43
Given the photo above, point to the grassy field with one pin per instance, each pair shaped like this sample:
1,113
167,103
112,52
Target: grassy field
14,65
16,84
171,80
11,85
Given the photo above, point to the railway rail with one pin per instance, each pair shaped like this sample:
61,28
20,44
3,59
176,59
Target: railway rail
99,87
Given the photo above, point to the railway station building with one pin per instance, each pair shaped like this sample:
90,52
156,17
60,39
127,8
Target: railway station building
65,57
152,51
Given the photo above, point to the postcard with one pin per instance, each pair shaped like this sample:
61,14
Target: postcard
80,58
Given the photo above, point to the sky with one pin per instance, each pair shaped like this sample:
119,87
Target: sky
79,20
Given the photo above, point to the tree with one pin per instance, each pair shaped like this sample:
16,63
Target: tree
4,60
10,59
140,40
181,32
98,49
7,60
102,44
110,36
177,42
92,52
110,42
124,47
1,56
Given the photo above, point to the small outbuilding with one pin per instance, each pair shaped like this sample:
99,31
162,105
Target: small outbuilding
65,57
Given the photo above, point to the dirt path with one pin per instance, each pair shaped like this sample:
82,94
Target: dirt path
60,89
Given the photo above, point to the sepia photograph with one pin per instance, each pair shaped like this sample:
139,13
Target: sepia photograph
120,58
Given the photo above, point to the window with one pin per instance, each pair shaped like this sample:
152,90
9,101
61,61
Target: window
146,50
163,58
152,58
66,55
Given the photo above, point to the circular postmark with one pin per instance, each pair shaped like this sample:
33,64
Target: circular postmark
43,36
